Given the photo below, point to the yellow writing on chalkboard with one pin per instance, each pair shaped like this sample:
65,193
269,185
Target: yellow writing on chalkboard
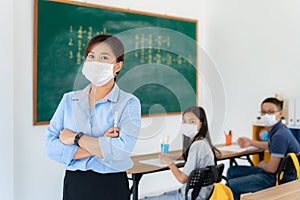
80,37
148,48
162,47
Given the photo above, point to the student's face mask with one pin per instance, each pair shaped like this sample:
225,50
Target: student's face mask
98,73
189,130
269,120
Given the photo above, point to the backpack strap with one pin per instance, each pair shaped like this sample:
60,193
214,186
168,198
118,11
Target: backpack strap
296,165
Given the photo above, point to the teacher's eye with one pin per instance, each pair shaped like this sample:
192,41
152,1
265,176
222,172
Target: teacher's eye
104,58
90,56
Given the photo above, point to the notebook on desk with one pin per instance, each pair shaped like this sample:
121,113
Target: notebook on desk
156,162
236,148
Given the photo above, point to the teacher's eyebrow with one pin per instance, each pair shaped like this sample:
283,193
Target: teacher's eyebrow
105,53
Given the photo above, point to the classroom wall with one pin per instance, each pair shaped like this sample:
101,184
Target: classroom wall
252,44
255,45
7,101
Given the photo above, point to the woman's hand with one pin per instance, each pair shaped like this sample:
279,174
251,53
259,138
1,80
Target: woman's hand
244,142
67,136
165,159
113,132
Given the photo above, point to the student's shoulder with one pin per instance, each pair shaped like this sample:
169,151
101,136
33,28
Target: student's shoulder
282,133
202,143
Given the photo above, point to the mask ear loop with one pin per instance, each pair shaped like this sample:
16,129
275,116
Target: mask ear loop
116,74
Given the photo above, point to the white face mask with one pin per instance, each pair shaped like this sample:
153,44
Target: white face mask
189,130
269,120
98,73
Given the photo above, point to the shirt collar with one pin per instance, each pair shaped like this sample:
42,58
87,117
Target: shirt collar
112,96
81,94
276,127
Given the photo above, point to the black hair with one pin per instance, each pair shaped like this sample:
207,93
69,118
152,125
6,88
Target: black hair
276,102
203,132
115,43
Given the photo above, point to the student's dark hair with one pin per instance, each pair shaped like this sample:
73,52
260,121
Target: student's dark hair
115,44
276,102
203,132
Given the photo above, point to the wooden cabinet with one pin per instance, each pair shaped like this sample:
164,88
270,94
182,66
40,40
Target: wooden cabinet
256,129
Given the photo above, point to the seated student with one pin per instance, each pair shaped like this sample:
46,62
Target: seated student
243,179
200,153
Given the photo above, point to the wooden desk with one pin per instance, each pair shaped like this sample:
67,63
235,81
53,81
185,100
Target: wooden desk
287,191
139,169
231,155
144,168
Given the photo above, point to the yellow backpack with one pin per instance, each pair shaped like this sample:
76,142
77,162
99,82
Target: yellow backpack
289,162
221,192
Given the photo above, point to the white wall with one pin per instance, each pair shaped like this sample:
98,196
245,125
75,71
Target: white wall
7,101
35,176
254,45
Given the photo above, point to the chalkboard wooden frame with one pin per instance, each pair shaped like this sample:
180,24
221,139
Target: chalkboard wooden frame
40,71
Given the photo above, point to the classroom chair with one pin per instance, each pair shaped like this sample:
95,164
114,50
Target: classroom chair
206,176
289,169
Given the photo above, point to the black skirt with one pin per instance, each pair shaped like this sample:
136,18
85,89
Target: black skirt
90,185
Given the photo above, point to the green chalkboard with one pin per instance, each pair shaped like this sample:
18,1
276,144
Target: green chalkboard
160,55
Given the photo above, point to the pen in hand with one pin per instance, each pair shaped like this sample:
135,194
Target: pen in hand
115,120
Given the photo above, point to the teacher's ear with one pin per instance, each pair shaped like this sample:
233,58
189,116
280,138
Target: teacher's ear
118,66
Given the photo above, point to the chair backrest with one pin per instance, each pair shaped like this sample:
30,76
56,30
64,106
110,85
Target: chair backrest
202,177
289,169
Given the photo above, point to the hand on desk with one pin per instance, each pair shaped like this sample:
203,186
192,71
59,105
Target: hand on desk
165,159
244,142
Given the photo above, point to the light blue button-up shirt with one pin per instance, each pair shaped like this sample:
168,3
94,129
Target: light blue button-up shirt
74,113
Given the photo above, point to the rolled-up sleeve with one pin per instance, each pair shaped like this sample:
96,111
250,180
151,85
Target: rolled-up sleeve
116,151
56,150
